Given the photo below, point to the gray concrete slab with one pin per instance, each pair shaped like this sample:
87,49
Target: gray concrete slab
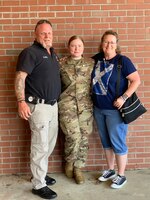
137,188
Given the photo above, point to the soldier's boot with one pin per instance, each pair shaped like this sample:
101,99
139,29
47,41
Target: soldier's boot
69,169
78,175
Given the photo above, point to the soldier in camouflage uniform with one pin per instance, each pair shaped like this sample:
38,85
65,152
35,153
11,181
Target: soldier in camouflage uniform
75,107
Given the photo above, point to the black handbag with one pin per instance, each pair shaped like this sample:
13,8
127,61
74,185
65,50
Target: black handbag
132,108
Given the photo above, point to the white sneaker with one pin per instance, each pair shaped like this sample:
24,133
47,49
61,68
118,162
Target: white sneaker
107,175
118,182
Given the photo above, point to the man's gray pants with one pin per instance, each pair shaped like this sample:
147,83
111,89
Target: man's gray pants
44,130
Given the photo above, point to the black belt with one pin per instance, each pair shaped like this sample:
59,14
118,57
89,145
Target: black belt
36,100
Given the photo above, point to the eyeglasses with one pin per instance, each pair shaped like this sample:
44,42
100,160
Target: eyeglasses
107,43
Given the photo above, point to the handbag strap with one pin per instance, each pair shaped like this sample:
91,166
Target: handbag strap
119,66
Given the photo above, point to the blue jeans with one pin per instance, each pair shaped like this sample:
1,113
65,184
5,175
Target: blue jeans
112,130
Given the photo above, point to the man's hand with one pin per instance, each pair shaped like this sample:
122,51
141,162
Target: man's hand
24,110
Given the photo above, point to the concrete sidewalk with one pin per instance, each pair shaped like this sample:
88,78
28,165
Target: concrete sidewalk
137,188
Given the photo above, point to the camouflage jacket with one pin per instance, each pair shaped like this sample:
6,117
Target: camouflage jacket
76,82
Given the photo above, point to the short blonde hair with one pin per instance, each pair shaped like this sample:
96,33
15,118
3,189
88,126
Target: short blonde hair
110,32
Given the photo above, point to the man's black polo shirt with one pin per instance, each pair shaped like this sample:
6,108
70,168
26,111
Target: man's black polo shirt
43,80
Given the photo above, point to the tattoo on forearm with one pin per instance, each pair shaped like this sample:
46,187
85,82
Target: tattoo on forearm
19,85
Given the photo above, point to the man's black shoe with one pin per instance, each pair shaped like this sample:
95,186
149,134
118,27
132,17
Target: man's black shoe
49,180
45,193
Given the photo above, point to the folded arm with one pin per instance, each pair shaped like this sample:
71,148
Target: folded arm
134,82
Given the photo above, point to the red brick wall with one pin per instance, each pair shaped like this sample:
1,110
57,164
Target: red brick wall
88,18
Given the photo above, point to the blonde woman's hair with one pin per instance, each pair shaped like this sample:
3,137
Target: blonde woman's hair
110,32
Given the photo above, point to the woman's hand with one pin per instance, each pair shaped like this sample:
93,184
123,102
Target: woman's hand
118,103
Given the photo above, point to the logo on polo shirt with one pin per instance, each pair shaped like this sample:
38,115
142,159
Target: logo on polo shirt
45,57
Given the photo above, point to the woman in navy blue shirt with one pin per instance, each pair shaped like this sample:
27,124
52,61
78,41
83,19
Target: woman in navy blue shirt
111,127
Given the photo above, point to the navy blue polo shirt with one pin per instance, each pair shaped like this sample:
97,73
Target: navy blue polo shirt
43,79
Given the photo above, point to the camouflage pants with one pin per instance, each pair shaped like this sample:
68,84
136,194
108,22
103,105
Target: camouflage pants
76,127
